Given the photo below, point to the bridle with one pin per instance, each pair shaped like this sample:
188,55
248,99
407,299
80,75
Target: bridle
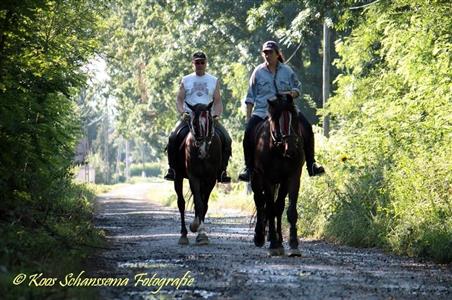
284,129
201,127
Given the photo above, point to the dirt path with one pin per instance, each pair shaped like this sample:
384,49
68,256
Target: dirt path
143,239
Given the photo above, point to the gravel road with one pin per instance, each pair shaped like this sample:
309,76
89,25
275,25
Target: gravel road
143,249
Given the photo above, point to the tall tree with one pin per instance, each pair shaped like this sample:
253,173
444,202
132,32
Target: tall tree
40,73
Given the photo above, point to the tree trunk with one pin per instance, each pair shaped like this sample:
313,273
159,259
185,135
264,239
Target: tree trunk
127,170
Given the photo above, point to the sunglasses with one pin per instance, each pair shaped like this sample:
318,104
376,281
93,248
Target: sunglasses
200,62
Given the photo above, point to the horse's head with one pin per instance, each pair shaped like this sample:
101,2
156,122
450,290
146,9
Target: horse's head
201,126
284,126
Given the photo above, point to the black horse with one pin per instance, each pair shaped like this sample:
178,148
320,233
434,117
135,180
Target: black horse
279,157
199,160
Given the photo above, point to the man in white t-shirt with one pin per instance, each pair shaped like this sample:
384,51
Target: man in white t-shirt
198,87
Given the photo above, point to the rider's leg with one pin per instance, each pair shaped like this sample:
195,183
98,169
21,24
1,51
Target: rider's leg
226,142
173,142
248,147
308,144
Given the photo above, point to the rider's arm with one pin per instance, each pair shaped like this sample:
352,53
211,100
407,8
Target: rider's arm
295,85
217,104
251,95
180,99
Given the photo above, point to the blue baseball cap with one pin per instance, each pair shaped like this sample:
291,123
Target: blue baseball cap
270,45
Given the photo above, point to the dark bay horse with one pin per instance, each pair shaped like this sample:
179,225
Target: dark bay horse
199,160
279,157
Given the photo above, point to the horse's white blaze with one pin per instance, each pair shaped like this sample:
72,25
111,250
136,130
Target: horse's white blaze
203,150
203,125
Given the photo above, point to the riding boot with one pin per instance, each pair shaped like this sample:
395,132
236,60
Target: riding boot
313,168
171,151
223,176
248,148
174,139
245,174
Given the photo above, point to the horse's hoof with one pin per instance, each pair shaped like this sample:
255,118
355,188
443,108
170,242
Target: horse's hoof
183,240
259,242
276,251
202,239
294,253
194,226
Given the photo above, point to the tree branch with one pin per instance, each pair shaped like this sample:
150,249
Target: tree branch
364,5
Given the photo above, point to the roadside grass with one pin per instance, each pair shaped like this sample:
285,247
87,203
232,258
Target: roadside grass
370,200
53,243
225,198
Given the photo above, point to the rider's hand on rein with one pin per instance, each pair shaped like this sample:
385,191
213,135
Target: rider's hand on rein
186,116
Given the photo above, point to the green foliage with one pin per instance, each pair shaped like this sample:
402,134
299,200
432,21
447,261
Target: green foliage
56,243
392,114
45,219
149,51
150,169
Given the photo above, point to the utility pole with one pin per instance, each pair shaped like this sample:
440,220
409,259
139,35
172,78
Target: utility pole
127,170
106,148
326,72
143,172
118,162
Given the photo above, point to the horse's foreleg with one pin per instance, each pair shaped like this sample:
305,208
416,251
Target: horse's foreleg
279,206
292,216
206,190
259,201
183,240
275,248
195,186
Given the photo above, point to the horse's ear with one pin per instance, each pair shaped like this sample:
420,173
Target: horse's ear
209,106
190,106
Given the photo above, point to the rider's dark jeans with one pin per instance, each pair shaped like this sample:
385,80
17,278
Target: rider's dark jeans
226,144
176,136
248,142
308,139
306,130
182,129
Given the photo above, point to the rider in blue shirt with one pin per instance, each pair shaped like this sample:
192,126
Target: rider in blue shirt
268,79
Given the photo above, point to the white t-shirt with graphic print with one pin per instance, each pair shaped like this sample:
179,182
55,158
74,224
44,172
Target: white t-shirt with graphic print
198,89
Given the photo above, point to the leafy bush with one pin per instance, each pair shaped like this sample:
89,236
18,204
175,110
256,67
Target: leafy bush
151,169
53,242
390,186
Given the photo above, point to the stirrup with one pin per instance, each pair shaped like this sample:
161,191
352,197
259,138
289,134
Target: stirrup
224,178
245,175
171,175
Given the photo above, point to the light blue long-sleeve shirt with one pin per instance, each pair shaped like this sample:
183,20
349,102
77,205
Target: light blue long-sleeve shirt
262,87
